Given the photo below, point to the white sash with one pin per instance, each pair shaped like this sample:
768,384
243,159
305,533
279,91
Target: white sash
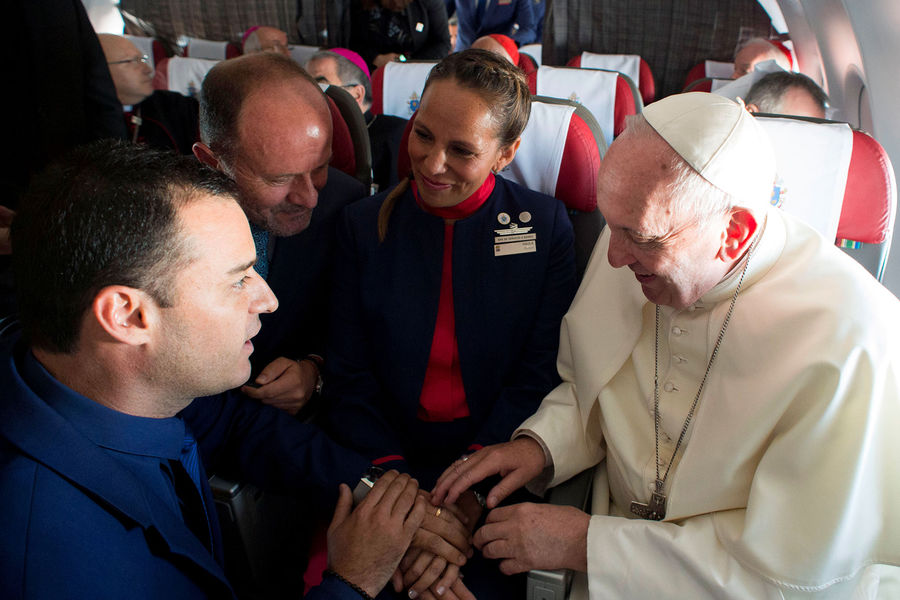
402,87
593,89
536,165
812,161
629,64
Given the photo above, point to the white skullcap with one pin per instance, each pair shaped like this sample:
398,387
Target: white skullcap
720,140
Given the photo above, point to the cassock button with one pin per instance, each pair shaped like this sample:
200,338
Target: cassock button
669,386
677,330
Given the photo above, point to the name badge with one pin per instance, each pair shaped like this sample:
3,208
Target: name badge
514,239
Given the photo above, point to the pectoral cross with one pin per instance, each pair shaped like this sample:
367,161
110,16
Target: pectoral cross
655,510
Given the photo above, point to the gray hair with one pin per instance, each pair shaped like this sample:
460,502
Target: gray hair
691,194
768,93
349,73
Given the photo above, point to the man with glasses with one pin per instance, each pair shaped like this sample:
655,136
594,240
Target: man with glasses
347,69
159,118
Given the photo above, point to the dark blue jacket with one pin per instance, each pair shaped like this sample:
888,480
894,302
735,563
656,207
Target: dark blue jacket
507,310
498,17
83,517
300,277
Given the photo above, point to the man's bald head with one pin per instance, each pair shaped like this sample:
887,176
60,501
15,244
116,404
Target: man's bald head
228,86
265,122
754,51
266,39
131,75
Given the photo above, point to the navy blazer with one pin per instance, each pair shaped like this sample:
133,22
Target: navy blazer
507,309
300,277
78,522
498,17
428,34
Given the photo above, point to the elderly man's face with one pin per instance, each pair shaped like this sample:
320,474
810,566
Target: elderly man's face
272,39
132,77
204,337
746,60
324,70
675,259
282,156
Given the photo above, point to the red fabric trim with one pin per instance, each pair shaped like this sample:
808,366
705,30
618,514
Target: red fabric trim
443,397
388,458
475,447
462,210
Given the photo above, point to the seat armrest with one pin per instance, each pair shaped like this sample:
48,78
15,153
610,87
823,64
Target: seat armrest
554,585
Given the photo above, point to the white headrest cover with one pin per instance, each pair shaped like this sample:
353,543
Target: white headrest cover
402,87
629,64
536,165
595,90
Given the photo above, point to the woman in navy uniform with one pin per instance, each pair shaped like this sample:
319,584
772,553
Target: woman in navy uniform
450,288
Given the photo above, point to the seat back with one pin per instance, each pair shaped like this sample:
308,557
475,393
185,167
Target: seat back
707,69
532,50
301,54
152,47
211,49
397,87
527,64
606,94
181,74
838,180
358,134
632,65
343,153
559,155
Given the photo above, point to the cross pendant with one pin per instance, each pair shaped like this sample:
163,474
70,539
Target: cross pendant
655,510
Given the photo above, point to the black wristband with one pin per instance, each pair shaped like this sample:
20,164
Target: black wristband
352,585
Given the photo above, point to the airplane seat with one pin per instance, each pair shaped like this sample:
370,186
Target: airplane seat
839,181
357,132
151,47
527,63
182,74
607,94
211,49
632,65
559,155
534,51
397,87
343,149
708,69
301,54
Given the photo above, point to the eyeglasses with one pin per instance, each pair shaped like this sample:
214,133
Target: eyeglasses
137,59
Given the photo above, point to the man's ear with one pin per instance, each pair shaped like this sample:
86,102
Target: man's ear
738,235
359,94
507,154
205,155
752,108
124,313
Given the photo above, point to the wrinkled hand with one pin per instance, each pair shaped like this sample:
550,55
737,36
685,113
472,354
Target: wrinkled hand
366,545
286,384
518,462
535,536
6,217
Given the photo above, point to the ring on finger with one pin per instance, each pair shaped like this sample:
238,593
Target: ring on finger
437,513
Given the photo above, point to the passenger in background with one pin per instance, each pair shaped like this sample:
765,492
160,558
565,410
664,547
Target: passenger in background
453,24
135,272
385,30
265,39
448,296
347,69
159,118
787,94
500,45
757,50
732,377
481,17
265,123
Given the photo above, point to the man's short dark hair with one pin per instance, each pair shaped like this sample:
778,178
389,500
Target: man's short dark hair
105,214
768,93
227,86
349,73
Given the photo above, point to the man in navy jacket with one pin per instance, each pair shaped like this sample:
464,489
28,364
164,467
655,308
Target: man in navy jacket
137,292
514,18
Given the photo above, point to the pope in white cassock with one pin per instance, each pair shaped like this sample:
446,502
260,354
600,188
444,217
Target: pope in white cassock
734,378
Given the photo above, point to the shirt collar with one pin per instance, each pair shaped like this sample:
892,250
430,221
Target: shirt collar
108,428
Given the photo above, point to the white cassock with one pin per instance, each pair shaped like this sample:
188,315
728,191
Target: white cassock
788,481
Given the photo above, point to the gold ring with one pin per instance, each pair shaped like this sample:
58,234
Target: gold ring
465,458
437,513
